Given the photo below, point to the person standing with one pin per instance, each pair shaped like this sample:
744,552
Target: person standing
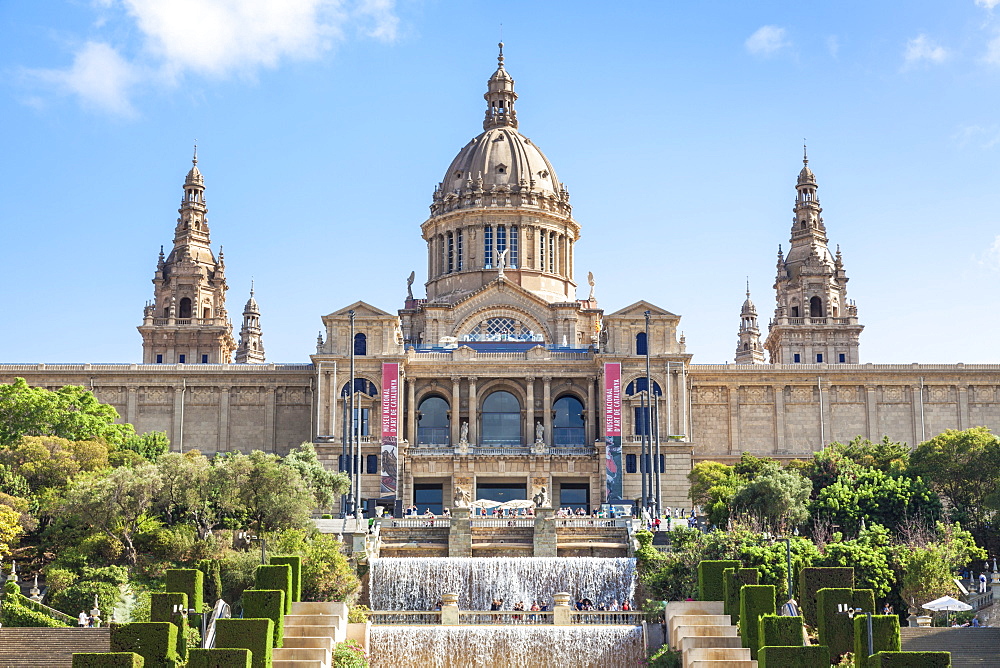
83,620
982,583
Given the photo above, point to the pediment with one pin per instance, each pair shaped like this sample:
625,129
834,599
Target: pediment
638,309
361,309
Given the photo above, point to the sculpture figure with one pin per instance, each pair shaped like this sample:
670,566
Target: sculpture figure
539,432
462,498
409,286
590,281
464,434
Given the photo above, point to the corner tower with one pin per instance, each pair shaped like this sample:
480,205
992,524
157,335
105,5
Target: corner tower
186,322
500,210
748,348
813,321
251,348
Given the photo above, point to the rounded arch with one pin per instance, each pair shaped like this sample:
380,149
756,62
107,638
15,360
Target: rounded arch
815,307
184,308
569,424
477,325
361,385
500,416
433,420
360,343
637,385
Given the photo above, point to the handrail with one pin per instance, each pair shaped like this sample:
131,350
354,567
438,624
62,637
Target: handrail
220,611
46,610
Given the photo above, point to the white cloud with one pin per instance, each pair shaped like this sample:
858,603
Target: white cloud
990,258
988,4
99,76
217,38
833,44
921,48
983,137
767,40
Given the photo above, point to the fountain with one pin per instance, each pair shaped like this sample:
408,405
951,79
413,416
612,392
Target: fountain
506,646
416,583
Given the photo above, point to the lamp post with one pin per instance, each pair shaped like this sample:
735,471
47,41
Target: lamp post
246,537
788,564
352,457
646,411
846,609
181,610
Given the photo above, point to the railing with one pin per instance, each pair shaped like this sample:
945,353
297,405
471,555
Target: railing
404,617
583,522
505,617
220,611
632,617
980,601
433,436
46,610
497,522
421,522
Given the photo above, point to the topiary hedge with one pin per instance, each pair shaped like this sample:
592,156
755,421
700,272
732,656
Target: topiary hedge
266,603
836,629
190,581
161,609
252,634
15,611
155,641
812,656
212,590
295,562
910,660
812,579
885,634
108,660
733,579
778,631
219,658
278,576
710,579
755,601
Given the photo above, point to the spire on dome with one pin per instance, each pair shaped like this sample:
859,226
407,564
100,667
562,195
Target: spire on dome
194,177
500,97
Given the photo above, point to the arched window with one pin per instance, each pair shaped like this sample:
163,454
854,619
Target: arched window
185,308
362,385
488,247
568,427
640,343
501,416
432,423
360,344
639,385
815,307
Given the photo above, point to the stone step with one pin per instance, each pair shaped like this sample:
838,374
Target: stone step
311,620
314,608
49,648
723,663
970,647
283,663
681,632
697,620
694,642
314,631
311,642
713,654
694,608
300,654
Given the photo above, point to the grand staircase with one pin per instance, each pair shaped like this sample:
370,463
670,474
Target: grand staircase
310,634
969,647
705,635
49,648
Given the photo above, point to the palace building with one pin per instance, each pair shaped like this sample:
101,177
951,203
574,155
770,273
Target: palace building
500,380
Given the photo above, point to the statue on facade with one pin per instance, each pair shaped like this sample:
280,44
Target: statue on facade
501,261
539,432
463,436
541,499
590,281
462,498
409,286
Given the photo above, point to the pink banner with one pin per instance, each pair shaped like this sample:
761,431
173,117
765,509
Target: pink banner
614,486
390,427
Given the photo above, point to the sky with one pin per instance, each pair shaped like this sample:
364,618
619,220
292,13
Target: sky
323,126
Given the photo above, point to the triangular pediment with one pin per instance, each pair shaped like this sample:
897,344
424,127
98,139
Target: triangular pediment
639,308
497,291
361,309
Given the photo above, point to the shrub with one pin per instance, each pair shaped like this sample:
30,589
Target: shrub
189,581
836,630
266,603
793,657
885,634
252,634
101,547
812,579
357,614
219,658
278,576
327,575
155,641
237,570
57,579
349,654
108,660
779,631
80,596
733,579
710,579
295,562
755,601
910,659
14,611
212,570
161,609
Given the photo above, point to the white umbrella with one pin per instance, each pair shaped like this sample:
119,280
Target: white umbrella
484,503
947,603
518,503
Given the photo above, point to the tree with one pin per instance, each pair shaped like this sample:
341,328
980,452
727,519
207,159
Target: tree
325,485
191,490
868,495
70,412
51,461
870,555
271,496
777,497
10,529
713,486
150,446
964,466
927,564
116,503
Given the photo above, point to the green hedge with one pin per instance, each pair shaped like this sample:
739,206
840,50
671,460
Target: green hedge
155,641
266,603
295,562
108,660
778,631
812,579
15,612
219,658
836,629
910,660
278,576
190,581
885,632
212,590
813,656
161,609
755,601
732,580
252,634
710,579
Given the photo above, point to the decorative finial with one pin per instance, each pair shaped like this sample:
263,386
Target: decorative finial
194,160
748,287
251,285
500,57
805,153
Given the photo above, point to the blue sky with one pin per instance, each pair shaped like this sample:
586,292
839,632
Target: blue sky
323,127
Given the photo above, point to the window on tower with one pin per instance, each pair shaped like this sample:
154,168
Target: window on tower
459,260
488,247
512,260
501,240
360,344
815,307
185,308
797,358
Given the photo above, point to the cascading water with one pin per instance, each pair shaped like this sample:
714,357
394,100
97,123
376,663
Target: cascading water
417,583
506,646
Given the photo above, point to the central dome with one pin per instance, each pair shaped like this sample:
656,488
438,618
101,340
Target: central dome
501,158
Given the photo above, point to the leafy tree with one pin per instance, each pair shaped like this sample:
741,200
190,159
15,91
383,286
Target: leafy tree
838,460
869,554
192,489
10,529
964,466
776,496
50,461
116,503
12,482
325,485
70,412
150,446
868,495
713,486
272,496
749,466
327,575
927,564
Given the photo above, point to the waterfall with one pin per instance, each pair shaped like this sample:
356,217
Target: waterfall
506,646
416,583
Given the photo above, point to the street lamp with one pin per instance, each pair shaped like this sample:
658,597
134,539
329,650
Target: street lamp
181,610
846,609
247,538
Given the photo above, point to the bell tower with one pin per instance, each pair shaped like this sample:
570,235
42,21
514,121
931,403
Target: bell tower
748,348
186,321
251,348
814,323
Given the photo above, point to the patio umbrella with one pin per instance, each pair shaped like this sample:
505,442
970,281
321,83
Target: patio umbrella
484,503
948,605
518,503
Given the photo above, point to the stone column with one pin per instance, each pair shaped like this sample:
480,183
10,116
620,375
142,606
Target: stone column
131,405
460,533
223,442
870,412
177,432
449,609
411,411
963,406
918,421
827,413
545,540
734,418
473,412
546,409
333,392
591,434
456,409
269,409
561,610
530,408
779,418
